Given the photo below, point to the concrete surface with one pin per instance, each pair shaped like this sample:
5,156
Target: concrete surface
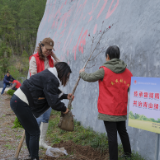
136,31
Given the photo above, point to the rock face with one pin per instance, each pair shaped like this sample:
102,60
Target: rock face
136,31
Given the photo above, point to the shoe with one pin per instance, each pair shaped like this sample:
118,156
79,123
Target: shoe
33,159
43,131
27,157
127,157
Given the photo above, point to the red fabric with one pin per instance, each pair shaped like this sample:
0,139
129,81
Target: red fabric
18,84
113,92
40,63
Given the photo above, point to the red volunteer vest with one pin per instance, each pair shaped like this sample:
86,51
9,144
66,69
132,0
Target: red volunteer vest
40,63
18,84
113,92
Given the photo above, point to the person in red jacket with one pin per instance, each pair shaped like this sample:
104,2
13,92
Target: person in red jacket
114,82
15,84
43,59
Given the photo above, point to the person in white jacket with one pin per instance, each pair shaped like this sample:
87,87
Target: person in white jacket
40,61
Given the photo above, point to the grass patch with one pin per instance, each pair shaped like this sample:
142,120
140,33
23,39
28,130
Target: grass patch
10,92
8,146
17,123
82,136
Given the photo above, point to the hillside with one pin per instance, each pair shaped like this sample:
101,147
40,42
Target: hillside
19,21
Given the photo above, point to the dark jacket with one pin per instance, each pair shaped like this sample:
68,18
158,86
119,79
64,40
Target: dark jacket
7,79
42,92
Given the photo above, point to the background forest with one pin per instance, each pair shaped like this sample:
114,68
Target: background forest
19,21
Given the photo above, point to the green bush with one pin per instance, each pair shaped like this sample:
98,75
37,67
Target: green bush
17,123
10,92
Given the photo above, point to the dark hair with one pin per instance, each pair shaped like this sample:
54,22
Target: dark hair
113,52
64,71
39,50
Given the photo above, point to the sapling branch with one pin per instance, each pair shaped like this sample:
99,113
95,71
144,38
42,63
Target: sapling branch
90,58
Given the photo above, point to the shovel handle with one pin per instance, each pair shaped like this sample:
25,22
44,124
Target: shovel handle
20,145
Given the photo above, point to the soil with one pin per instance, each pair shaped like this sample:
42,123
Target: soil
10,139
78,152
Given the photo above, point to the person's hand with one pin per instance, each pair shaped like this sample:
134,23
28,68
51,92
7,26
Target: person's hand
67,110
70,96
82,70
10,82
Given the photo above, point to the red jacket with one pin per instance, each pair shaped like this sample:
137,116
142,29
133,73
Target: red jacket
113,92
18,84
40,63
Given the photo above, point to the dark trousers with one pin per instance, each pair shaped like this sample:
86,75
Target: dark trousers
112,128
29,123
4,87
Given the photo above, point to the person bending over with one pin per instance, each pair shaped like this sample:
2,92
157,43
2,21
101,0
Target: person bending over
6,81
35,96
15,84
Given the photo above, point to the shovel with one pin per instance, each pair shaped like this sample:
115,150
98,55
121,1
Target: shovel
19,147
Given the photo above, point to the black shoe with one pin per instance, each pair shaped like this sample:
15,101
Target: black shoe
28,157
127,157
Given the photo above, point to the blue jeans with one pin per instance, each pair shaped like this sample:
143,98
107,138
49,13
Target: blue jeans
44,117
29,123
4,87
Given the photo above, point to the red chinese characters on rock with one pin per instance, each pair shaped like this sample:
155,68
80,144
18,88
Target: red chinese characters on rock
83,41
156,106
139,104
109,13
145,105
150,105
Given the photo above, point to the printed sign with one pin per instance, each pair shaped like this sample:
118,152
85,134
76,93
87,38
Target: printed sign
144,104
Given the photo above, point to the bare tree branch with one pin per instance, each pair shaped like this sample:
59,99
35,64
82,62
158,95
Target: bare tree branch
90,58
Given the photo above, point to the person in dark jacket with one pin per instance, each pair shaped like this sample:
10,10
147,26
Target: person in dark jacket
114,82
6,81
35,96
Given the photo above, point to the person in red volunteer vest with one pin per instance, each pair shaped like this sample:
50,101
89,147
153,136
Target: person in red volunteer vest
15,84
114,82
40,61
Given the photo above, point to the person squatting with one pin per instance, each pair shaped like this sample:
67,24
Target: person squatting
37,96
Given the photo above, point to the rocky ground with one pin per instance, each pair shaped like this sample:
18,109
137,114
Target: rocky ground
10,138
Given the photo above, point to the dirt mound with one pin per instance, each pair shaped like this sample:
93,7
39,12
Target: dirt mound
78,152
